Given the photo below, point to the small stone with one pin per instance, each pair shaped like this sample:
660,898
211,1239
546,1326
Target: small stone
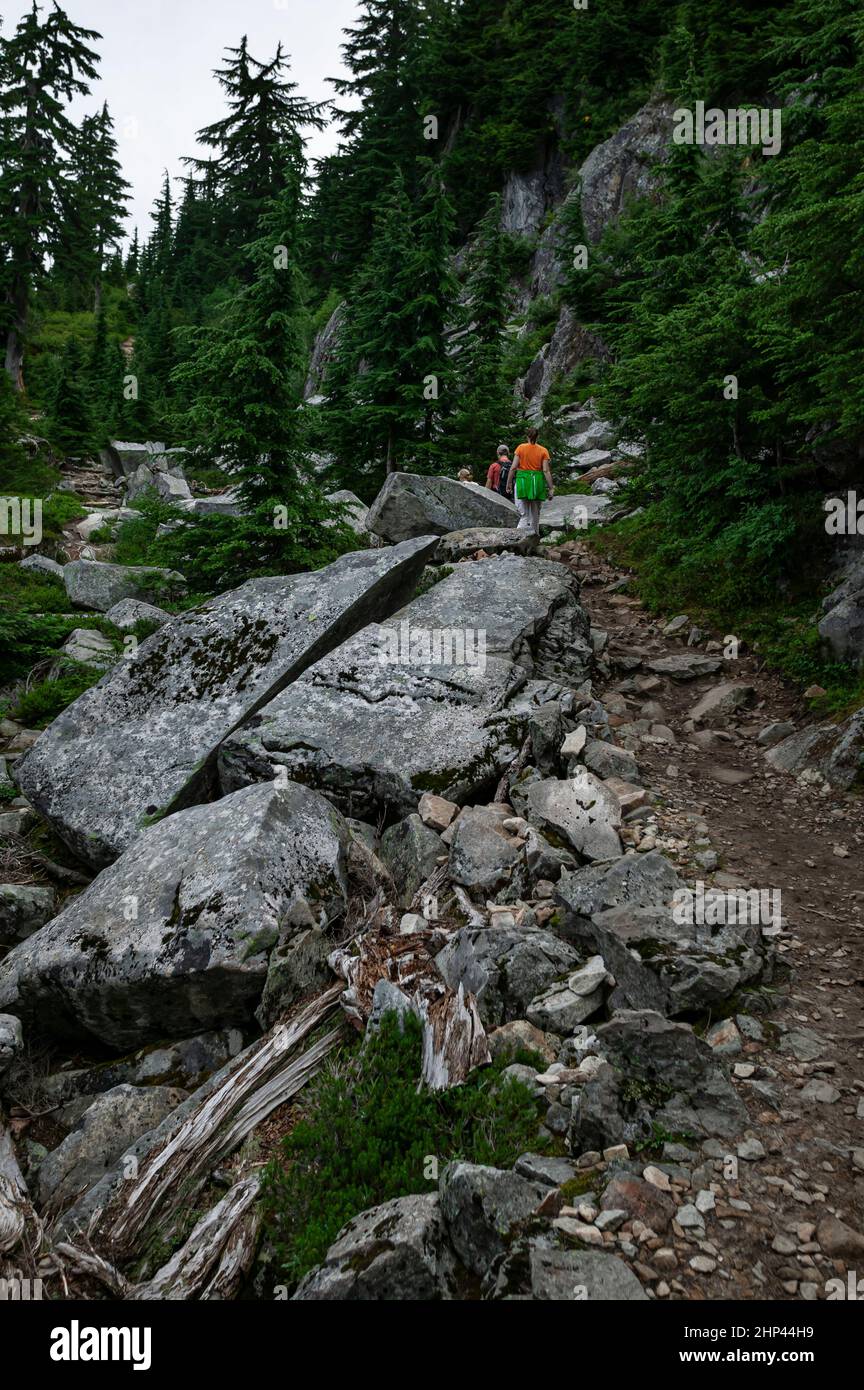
436,811
821,1092
617,1151
657,1177
783,1245
611,1219
411,922
703,1264
724,1038
751,1150
689,1217
838,1240
705,1201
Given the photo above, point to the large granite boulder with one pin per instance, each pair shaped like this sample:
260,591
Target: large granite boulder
411,504
656,1073
633,913
536,1269
580,809
176,936
138,745
96,585
482,1207
124,457
104,1131
355,511
842,627
437,701
494,540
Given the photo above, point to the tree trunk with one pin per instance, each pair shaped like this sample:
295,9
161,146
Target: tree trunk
14,363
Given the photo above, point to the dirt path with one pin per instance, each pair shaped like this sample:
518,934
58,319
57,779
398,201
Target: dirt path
766,831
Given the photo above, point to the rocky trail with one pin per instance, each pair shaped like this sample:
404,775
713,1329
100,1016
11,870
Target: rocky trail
725,816
553,823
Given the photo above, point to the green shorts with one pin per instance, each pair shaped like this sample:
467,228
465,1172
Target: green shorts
531,485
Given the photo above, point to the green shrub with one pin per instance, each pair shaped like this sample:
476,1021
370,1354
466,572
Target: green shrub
49,698
368,1132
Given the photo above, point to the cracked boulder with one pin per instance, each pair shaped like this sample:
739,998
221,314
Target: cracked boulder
438,700
139,745
176,936
580,811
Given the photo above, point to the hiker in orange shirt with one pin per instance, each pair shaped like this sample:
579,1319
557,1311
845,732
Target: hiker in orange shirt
531,480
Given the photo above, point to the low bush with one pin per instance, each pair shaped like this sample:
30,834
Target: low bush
368,1133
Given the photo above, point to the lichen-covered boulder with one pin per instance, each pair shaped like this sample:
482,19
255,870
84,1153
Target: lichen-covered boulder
396,1252
104,1131
438,700
176,936
139,744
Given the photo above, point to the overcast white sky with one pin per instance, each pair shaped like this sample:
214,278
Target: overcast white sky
158,58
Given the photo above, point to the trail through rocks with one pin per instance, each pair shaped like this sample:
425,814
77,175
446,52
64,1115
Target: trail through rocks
796,1051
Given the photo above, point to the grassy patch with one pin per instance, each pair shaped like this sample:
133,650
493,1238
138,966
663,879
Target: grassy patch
368,1135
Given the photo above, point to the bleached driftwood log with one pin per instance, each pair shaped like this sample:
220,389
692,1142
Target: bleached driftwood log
15,1205
217,1254
269,1077
454,1040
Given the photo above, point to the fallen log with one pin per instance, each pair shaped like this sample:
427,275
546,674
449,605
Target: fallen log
268,1078
217,1254
15,1208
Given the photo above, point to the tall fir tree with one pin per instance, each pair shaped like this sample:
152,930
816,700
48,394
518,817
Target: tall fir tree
69,422
44,63
257,147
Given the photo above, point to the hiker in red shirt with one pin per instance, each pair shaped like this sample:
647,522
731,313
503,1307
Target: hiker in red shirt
531,481
501,465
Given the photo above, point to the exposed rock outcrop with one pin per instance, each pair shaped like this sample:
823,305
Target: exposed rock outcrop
150,727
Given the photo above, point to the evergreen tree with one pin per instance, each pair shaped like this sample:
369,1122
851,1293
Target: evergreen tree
69,423
92,226
104,380
13,460
45,62
258,147
382,129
